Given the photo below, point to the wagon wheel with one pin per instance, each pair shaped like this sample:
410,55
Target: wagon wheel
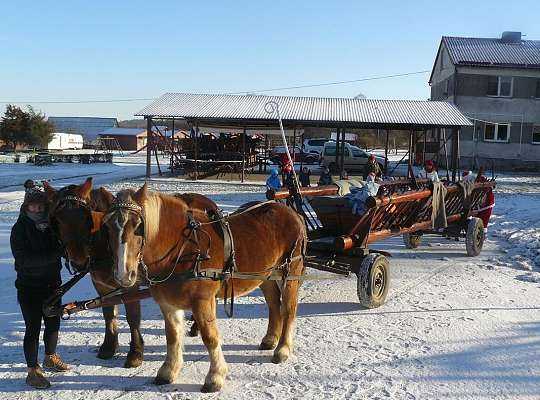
475,236
411,240
373,280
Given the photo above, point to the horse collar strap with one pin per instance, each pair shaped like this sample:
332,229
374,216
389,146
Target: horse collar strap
71,197
127,206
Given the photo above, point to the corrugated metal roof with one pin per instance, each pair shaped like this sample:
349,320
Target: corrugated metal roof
493,52
315,110
89,127
130,131
123,132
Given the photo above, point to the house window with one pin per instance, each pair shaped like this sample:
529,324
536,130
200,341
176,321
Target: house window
497,132
536,134
537,93
500,86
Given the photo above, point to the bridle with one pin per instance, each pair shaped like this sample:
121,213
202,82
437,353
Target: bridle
78,202
134,208
192,227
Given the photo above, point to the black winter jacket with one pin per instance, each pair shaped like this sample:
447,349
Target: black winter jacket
37,255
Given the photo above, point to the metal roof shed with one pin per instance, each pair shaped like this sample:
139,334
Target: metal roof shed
226,110
249,111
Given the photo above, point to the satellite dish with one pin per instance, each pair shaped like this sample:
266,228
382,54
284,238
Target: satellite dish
360,96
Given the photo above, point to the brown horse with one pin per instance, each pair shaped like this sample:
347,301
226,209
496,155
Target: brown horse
75,211
149,232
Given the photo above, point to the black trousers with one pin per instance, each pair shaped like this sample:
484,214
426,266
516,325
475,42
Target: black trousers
31,302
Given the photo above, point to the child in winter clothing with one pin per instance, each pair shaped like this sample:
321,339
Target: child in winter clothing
273,182
37,262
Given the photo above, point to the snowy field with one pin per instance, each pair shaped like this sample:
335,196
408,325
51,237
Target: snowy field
453,327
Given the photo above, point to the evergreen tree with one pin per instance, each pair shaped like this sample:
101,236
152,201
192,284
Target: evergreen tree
15,126
19,127
41,130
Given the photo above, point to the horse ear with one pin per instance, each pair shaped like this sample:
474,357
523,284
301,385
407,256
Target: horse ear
50,192
141,194
86,188
108,197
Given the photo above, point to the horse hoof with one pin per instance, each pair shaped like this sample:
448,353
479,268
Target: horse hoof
158,380
280,356
134,360
267,345
106,353
210,388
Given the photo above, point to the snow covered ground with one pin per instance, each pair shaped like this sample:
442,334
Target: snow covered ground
453,327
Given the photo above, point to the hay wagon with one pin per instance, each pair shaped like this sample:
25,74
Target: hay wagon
339,240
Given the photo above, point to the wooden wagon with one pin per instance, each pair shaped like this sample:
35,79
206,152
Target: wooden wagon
339,240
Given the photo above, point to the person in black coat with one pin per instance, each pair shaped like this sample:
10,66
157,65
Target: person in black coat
304,177
37,263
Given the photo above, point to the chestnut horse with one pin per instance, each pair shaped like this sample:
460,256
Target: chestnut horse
150,232
75,215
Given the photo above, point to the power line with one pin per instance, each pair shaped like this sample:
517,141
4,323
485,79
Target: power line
373,78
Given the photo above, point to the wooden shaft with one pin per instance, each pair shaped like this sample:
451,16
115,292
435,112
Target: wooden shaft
308,191
348,242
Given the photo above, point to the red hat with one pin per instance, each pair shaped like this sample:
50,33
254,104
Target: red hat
371,157
430,163
287,167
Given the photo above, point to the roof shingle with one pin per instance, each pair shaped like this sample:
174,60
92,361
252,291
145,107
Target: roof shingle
493,52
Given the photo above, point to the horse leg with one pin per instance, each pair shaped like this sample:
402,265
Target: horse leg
272,295
110,342
174,332
289,304
136,346
204,312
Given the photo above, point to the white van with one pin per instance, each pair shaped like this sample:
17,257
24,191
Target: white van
65,141
354,158
314,145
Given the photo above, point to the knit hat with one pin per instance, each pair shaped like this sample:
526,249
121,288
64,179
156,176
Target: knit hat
34,195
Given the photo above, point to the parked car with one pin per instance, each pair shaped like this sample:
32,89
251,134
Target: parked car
277,153
354,158
315,145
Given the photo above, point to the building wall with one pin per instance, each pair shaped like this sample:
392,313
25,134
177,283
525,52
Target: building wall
467,88
126,142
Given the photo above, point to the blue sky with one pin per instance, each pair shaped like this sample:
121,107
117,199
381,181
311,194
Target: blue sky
78,50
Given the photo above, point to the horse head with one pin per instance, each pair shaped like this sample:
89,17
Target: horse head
126,227
73,219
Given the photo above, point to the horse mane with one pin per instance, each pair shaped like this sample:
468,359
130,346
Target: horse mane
98,201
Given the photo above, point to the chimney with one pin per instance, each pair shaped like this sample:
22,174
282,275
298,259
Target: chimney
511,37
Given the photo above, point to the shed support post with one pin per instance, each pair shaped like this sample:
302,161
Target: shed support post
149,145
337,150
386,152
293,155
424,147
342,163
243,154
196,148
455,153
410,173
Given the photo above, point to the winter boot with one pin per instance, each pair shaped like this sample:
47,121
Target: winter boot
55,363
36,379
